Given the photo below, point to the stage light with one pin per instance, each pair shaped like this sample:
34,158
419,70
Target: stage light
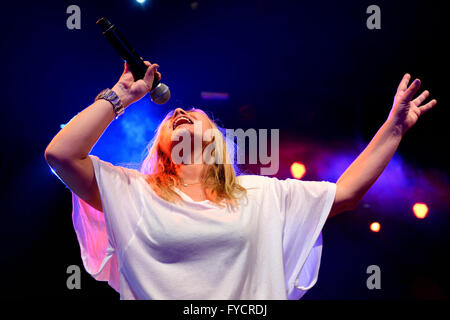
420,210
140,1
375,227
62,125
298,170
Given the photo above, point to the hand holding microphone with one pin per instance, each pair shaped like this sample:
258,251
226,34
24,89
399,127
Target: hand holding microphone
129,90
139,77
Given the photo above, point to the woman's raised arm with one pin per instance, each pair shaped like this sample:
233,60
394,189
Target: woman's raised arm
68,151
364,171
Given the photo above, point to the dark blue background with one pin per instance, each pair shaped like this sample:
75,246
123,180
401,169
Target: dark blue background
311,69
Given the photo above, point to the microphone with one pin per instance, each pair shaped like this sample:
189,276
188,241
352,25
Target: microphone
159,92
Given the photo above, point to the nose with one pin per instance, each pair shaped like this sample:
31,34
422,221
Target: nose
179,111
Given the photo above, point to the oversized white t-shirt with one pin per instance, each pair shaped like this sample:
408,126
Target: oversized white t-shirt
269,247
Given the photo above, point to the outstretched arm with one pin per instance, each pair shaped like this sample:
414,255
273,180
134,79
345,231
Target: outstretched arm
364,171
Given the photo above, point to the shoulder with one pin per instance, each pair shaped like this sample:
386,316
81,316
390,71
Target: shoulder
106,168
258,182
283,185
251,181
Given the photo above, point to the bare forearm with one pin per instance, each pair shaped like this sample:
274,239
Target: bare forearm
78,137
369,165
365,170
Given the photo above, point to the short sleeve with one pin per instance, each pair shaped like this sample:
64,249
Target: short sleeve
305,206
100,234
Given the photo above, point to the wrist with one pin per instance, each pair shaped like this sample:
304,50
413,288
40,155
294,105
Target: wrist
122,94
394,128
112,97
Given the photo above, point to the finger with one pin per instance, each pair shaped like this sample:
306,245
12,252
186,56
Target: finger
404,83
412,90
147,63
149,74
418,101
427,106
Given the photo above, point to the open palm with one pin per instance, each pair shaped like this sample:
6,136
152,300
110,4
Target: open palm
406,111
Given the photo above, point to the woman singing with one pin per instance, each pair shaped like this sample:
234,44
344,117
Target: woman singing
195,230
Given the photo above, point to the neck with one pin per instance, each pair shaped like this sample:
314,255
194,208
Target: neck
191,173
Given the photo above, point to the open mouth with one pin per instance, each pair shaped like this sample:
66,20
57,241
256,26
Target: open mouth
181,120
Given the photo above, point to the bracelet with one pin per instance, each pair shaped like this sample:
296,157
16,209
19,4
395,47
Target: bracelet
113,98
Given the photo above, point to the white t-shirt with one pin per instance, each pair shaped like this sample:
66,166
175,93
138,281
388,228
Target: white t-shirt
147,248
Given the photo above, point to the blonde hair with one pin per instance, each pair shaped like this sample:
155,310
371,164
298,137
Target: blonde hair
220,178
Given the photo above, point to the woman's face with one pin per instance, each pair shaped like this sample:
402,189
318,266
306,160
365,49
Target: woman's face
181,123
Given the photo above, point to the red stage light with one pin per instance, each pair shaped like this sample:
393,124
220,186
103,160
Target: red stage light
375,227
298,170
420,210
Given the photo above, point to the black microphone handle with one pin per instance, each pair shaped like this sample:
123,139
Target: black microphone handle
125,50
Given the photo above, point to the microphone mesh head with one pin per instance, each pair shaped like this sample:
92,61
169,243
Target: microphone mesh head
160,94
